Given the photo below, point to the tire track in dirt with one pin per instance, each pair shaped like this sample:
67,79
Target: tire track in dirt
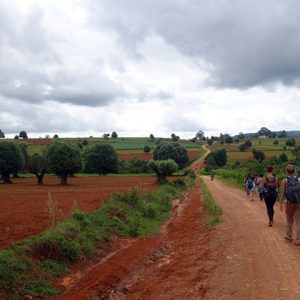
258,263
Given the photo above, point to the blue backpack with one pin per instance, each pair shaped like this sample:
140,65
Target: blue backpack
249,184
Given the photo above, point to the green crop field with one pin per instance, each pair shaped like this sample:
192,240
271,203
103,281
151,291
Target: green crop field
130,144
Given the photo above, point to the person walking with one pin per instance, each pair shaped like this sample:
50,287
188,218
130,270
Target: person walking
260,190
270,185
249,186
291,196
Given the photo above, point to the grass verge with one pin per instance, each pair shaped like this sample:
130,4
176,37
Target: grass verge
32,266
210,206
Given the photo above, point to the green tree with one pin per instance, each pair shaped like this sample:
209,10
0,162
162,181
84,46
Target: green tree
282,134
275,142
290,142
16,137
264,131
173,151
136,166
2,135
151,138
37,165
101,159
63,159
243,147
174,137
163,168
147,149
114,135
11,160
217,158
23,135
55,136
248,143
258,155
283,157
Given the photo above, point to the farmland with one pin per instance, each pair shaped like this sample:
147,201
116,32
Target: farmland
265,145
24,205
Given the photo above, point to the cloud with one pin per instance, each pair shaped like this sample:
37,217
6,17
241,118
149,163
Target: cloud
243,43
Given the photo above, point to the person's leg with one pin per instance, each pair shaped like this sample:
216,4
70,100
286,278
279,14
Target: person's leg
271,208
289,213
252,194
297,221
268,202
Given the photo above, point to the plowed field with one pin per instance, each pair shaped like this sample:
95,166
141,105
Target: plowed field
24,205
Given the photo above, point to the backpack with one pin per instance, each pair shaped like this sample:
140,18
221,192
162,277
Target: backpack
270,187
292,191
249,183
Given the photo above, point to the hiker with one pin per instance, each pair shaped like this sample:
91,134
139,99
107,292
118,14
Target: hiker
270,184
260,190
212,176
291,195
249,186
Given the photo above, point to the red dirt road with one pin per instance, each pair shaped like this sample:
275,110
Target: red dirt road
240,258
24,205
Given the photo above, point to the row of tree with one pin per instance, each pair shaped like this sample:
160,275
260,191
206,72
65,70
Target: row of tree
64,159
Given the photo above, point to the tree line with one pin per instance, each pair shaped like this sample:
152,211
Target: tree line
64,160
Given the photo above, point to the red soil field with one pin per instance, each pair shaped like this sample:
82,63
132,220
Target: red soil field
24,205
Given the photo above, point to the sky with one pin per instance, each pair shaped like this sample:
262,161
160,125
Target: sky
88,67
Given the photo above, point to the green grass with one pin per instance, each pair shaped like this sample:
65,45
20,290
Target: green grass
31,266
210,206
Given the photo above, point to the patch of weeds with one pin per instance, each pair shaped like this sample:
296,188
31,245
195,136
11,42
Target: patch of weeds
213,220
53,267
40,287
210,206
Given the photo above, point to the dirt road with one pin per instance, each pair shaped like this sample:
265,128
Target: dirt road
258,263
240,258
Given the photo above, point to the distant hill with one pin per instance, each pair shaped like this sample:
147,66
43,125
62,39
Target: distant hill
292,133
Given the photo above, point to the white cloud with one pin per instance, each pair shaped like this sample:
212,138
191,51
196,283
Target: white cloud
94,66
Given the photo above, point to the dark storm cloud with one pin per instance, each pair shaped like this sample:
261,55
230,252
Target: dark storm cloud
243,42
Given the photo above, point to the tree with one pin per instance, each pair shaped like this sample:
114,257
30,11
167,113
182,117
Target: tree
272,135
216,158
283,157
11,160
106,136
101,159
114,135
55,136
23,135
282,134
163,168
290,142
173,151
151,138
147,149
174,137
200,135
275,142
2,135
248,143
258,155
243,147
264,131
37,165
16,137
63,159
